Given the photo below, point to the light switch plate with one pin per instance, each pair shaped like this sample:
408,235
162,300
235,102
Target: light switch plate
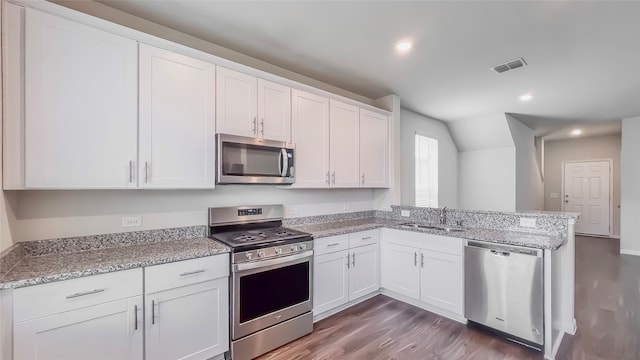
405,213
527,222
131,221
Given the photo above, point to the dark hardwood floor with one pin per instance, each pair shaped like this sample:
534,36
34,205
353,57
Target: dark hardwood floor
607,313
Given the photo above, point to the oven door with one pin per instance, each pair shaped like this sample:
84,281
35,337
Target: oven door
244,160
271,291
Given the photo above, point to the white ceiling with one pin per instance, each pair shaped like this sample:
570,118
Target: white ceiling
583,56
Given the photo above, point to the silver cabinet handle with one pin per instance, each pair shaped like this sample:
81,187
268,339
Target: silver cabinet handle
333,244
84,293
348,266
146,172
153,312
262,127
362,178
366,238
415,259
130,171
333,178
255,125
353,259
135,317
421,260
193,272
327,177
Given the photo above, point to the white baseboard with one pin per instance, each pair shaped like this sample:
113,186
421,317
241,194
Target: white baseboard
574,327
336,310
630,252
617,237
453,316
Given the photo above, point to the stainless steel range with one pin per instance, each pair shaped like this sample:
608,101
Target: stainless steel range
271,282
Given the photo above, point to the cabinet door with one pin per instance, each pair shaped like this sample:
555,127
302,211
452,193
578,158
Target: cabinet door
330,281
374,149
103,332
189,322
344,144
274,111
236,103
81,98
441,280
310,134
400,271
364,273
177,120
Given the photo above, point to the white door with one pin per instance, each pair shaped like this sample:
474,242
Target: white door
236,103
81,114
310,135
177,120
586,191
344,144
441,280
364,271
101,332
330,281
274,111
189,322
374,149
400,271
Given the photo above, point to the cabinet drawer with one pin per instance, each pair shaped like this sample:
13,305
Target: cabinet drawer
47,299
362,238
181,273
443,244
330,244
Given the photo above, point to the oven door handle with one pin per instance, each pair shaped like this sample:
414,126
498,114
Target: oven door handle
271,262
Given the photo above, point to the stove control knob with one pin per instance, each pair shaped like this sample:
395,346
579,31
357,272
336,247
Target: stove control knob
278,251
249,255
261,254
294,247
303,246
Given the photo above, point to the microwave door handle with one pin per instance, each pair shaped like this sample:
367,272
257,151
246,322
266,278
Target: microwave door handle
285,162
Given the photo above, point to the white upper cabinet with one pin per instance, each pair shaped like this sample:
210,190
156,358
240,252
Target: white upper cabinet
274,111
310,134
177,120
344,151
248,106
236,100
80,105
374,149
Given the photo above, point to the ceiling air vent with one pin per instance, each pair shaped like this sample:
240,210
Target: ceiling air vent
509,65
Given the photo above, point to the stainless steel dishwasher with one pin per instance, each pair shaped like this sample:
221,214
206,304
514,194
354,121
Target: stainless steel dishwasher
504,290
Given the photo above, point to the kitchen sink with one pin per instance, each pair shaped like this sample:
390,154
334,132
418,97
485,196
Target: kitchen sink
433,227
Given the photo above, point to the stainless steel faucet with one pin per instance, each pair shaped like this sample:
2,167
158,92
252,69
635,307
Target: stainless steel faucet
443,216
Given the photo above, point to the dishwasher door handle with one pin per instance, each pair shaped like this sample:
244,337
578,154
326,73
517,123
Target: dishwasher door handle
500,253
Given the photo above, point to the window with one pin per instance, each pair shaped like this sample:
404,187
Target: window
426,171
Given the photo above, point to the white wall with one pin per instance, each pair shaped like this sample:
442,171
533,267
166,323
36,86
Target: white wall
630,191
529,186
487,179
482,133
447,158
579,149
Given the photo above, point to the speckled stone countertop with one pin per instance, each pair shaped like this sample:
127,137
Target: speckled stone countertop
34,270
532,239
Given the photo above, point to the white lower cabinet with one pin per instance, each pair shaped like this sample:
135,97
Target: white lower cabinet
342,273
107,331
424,267
183,315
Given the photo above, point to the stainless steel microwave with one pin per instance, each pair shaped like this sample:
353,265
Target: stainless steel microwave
246,160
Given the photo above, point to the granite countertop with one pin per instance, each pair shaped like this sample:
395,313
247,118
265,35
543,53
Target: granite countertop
34,270
506,237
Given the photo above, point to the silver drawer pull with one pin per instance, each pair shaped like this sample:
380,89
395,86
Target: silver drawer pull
333,244
192,272
84,293
366,238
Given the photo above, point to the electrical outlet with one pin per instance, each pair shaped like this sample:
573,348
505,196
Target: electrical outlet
131,221
405,213
291,211
346,206
527,222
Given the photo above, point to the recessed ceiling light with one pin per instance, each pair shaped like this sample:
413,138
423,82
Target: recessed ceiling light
526,97
576,132
404,45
